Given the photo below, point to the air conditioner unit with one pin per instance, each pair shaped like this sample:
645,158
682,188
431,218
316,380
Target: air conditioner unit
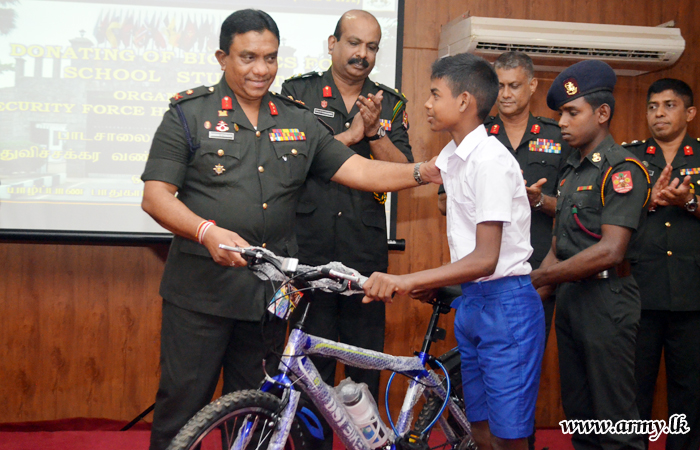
553,46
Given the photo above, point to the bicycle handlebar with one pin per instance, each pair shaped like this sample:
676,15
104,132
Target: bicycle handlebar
326,277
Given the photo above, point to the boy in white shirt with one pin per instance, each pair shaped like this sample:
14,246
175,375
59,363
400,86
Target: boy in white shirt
499,322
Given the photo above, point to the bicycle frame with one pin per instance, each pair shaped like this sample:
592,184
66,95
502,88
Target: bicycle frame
296,367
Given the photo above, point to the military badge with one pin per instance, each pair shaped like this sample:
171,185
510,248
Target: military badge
494,129
584,188
273,109
535,129
646,163
327,91
596,157
386,124
226,103
651,150
207,124
693,171
571,86
177,97
688,150
221,126
562,182
544,146
235,126
223,113
189,92
622,182
404,122
219,169
324,104
287,134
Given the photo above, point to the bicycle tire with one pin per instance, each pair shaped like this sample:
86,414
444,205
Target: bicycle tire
216,425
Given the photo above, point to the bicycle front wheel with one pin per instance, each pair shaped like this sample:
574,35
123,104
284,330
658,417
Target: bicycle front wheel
218,425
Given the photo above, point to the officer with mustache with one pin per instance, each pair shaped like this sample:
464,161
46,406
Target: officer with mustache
337,223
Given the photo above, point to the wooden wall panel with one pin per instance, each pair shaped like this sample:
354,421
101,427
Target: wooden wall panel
79,324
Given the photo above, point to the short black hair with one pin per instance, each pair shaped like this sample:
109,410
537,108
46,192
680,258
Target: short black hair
243,21
599,98
338,32
679,87
465,72
513,60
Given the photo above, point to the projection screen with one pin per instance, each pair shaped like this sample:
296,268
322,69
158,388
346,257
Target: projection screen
84,85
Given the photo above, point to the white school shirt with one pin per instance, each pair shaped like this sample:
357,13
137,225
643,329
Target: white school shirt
484,183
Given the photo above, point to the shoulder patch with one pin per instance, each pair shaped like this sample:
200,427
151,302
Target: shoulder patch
191,93
392,91
548,121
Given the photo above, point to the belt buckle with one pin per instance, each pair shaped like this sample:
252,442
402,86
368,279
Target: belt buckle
603,275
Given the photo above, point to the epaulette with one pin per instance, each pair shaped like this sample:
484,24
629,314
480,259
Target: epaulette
392,91
548,121
191,93
301,76
291,100
634,143
489,120
299,104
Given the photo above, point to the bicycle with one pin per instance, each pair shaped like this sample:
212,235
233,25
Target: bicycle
272,417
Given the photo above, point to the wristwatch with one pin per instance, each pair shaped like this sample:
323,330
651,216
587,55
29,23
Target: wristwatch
381,132
692,204
537,206
416,174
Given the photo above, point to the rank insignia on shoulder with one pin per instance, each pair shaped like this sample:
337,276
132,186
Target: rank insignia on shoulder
287,134
535,129
688,150
494,129
544,146
596,157
189,92
693,171
622,182
176,97
651,150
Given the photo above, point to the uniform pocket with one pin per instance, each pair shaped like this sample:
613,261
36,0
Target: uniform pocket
218,162
293,156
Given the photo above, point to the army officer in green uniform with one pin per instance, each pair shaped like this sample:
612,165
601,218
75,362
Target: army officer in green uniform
537,145
334,222
225,167
600,204
668,266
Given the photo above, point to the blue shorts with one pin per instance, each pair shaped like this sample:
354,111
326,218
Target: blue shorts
499,327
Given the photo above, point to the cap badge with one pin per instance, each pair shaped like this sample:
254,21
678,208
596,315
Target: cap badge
571,87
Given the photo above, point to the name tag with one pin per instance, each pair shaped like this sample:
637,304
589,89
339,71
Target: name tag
220,135
323,112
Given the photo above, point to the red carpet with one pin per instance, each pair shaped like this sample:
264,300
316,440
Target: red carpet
103,434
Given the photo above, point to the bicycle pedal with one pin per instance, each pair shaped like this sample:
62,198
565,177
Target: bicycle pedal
412,441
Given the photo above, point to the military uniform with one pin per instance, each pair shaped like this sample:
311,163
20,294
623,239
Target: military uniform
668,273
542,153
247,180
598,318
336,223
